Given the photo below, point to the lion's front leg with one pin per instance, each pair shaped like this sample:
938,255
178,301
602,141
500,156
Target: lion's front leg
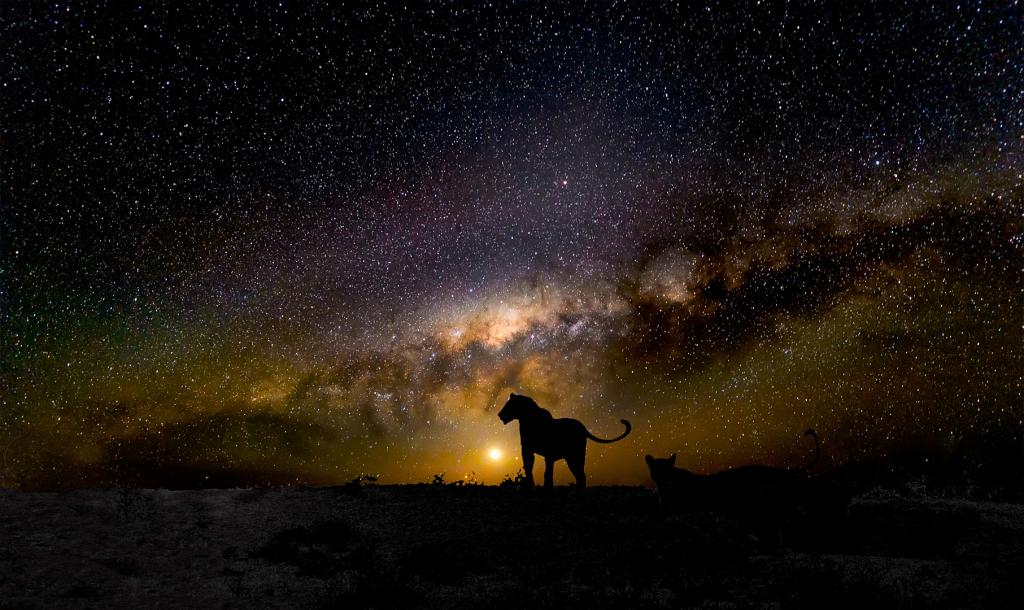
528,468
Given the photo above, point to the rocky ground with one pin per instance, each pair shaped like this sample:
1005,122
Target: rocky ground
475,546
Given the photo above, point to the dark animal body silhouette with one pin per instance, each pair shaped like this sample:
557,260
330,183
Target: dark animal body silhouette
761,496
554,439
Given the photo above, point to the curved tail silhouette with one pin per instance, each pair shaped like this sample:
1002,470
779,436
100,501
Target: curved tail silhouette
612,440
817,450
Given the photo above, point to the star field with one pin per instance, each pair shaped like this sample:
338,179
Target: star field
291,243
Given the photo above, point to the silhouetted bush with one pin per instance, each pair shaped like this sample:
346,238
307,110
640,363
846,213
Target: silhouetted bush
513,481
356,485
470,480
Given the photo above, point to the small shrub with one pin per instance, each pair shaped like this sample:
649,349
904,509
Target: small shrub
356,485
469,480
513,481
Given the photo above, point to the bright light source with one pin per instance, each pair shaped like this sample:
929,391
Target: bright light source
494,453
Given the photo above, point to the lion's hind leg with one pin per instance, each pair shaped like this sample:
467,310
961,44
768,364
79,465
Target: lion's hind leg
576,468
549,473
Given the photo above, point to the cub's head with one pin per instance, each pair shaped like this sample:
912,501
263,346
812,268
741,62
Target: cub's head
516,407
661,468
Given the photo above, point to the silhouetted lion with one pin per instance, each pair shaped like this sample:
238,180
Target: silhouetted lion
758,495
555,439
737,487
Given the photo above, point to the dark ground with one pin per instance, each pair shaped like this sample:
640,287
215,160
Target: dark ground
474,547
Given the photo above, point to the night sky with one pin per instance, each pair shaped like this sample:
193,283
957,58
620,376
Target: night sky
293,244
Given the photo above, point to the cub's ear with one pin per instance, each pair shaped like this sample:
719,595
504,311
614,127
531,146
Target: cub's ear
512,395
650,459
672,459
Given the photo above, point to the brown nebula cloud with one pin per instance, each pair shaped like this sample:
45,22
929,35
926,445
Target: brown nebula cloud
886,334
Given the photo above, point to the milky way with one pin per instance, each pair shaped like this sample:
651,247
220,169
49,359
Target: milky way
293,244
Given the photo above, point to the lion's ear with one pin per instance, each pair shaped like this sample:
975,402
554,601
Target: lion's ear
672,459
650,459
512,395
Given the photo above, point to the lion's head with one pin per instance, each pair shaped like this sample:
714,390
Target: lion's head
661,468
516,407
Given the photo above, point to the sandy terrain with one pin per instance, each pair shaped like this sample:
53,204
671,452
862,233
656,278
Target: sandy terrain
473,547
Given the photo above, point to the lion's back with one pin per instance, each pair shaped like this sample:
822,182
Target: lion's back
556,437
568,427
757,489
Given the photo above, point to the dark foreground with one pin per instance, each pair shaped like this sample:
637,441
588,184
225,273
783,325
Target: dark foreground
473,547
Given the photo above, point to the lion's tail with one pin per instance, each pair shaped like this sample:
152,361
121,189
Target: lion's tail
612,440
